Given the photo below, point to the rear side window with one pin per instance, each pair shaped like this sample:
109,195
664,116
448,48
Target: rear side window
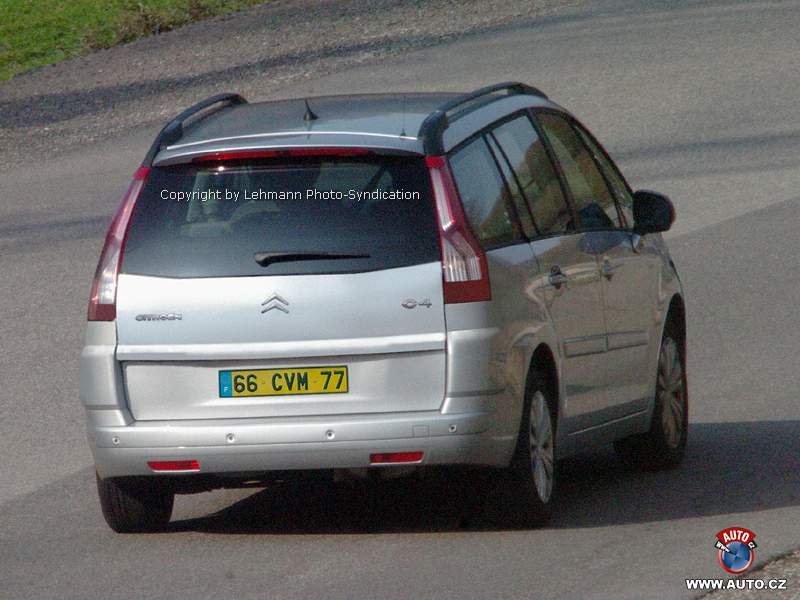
483,194
211,220
593,200
535,175
522,209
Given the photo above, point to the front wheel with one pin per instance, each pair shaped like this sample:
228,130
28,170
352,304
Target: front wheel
664,445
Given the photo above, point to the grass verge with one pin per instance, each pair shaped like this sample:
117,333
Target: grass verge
41,32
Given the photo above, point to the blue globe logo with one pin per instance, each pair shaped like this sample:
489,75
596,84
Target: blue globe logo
738,560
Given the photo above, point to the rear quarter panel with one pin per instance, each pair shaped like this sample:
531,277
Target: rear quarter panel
490,344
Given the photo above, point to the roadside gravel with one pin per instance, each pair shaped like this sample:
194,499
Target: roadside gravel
254,52
787,567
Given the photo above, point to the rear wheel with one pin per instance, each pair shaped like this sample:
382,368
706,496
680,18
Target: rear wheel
135,505
664,445
532,471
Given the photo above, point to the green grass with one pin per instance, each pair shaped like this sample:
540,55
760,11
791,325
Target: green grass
40,32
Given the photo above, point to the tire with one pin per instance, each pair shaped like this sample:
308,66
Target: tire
531,476
664,445
135,505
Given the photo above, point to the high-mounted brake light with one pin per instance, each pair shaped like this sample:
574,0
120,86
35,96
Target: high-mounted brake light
272,153
103,297
464,269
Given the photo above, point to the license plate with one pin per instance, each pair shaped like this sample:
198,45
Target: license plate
283,382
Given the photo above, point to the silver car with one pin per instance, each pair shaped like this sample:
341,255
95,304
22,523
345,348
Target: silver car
379,282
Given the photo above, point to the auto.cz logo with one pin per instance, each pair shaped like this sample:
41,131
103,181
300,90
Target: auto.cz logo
736,549
736,553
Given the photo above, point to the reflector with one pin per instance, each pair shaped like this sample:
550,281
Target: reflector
396,457
174,465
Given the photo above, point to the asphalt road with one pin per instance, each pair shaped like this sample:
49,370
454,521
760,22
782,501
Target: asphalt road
697,100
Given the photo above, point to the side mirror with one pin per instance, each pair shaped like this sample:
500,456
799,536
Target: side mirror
652,212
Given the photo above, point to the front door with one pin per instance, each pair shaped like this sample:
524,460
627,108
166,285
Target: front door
630,267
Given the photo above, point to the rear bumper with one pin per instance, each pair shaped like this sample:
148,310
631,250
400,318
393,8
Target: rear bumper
122,447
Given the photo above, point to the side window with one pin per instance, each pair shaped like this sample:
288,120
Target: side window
618,186
593,200
521,206
483,194
521,145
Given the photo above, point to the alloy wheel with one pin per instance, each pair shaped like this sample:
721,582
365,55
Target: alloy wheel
671,392
541,446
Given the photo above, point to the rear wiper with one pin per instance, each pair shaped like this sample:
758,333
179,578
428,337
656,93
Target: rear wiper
265,259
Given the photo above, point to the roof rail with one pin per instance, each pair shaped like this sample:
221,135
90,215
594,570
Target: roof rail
434,125
173,131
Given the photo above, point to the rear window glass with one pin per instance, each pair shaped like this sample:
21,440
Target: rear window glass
212,220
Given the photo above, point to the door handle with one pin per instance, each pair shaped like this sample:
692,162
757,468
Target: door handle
557,277
607,269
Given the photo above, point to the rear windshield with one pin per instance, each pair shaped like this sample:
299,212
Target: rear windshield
213,221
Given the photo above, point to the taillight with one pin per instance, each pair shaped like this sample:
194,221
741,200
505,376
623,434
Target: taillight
464,268
103,297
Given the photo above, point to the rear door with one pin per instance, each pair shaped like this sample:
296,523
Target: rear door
623,370
570,285
282,287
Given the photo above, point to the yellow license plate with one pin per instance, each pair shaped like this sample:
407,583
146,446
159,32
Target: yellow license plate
283,382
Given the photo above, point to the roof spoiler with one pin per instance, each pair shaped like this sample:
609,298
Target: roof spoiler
173,131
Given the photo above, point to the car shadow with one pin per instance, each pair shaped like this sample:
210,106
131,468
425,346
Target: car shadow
730,468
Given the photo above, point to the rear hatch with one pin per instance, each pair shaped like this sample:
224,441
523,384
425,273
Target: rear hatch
282,286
